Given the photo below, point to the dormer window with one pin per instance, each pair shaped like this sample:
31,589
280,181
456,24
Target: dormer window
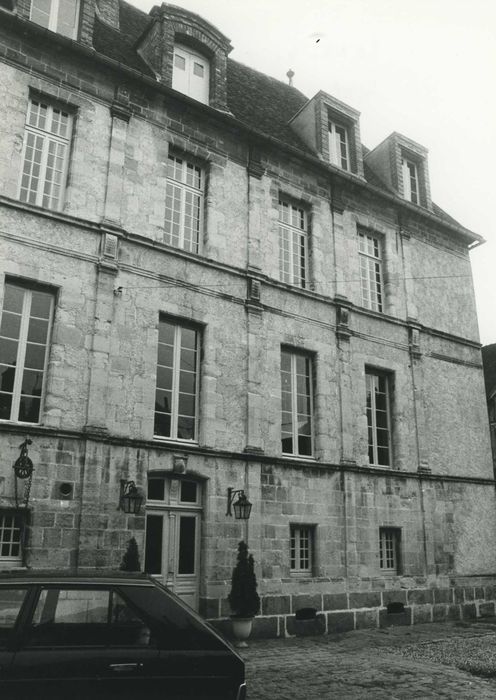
338,145
191,74
59,16
410,180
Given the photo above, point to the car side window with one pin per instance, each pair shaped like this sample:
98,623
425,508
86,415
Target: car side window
126,627
70,617
86,617
11,600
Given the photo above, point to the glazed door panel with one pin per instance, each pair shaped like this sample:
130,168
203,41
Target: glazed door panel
172,551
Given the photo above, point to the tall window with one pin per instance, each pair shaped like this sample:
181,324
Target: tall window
45,155
24,334
293,233
11,527
184,204
191,73
301,549
369,248
410,181
389,549
378,418
296,398
60,16
176,395
339,146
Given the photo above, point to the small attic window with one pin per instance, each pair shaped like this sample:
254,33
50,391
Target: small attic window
191,73
410,171
339,145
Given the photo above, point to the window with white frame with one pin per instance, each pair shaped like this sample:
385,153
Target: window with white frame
371,282
390,549
45,154
11,529
293,242
410,181
59,16
24,335
378,417
176,398
339,149
296,404
184,204
301,549
191,73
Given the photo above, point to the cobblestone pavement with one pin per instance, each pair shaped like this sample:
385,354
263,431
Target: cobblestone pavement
393,663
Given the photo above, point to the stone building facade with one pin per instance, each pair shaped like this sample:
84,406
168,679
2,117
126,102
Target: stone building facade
209,283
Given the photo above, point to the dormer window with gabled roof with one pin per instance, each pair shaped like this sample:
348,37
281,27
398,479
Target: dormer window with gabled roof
332,129
191,73
187,53
59,16
402,165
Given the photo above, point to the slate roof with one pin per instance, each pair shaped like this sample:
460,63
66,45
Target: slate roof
255,99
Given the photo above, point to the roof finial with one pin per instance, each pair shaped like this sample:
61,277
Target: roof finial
290,75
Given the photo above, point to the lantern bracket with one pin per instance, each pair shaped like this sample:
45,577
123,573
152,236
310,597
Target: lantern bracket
242,501
130,499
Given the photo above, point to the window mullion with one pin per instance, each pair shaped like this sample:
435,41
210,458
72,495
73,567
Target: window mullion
294,401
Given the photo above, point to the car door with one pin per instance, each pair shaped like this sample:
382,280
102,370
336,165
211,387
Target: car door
71,647
195,662
11,602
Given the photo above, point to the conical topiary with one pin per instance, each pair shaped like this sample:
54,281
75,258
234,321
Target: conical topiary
130,560
243,598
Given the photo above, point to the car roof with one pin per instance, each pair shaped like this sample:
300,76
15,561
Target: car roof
80,577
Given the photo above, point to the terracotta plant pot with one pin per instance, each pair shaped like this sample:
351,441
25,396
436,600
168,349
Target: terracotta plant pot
241,629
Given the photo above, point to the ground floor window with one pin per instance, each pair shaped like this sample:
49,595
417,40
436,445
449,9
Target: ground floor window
301,549
11,536
390,549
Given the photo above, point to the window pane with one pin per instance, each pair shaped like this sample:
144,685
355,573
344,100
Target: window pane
29,409
126,627
11,325
32,382
35,356
162,425
5,406
7,375
186,428
41,304
13,298
38,330
188,491
187,550
153,547
156,489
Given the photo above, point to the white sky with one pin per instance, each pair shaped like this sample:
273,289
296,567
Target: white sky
425,68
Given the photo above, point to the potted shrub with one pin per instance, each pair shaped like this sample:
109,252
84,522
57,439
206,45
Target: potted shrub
243,598
130,560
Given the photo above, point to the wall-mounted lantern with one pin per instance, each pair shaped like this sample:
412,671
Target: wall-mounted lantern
130,499
23,471
242,507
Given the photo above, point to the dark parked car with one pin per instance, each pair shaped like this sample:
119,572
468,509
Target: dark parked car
118,636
